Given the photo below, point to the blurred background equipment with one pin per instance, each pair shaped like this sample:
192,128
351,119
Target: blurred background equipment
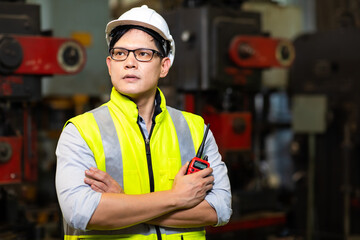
276,79
25,56
326,68
229,51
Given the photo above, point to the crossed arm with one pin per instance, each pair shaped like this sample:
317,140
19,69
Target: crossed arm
84,208
182,206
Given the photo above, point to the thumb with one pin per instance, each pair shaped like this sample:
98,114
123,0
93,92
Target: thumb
182,170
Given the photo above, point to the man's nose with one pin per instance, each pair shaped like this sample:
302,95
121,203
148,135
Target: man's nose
131,61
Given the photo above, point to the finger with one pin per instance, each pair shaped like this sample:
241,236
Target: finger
209,179
96,183
91,173
208,187
210,184
100,185
205,172
89,180
97,175
95,188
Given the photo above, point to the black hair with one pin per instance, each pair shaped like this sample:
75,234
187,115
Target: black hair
162,45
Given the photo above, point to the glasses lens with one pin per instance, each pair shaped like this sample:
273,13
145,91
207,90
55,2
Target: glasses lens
119,54
144,54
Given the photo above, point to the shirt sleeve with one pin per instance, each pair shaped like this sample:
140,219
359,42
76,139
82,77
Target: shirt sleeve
220,195
77,200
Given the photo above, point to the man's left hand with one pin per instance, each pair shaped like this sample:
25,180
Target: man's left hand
101,181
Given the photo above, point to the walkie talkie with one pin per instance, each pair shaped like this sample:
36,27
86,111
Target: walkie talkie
196,164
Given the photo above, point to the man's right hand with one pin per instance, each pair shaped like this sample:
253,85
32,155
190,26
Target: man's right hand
191,189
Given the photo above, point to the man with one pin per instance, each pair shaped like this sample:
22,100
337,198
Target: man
121,167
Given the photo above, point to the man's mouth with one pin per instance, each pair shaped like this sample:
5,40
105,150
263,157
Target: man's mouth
130,76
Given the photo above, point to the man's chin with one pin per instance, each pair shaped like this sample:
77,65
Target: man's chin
135,94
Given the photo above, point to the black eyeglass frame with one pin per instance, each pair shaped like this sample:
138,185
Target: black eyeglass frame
133,51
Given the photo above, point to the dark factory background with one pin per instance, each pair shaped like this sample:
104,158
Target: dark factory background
279,82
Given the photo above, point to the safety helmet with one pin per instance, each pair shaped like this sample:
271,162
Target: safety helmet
145,17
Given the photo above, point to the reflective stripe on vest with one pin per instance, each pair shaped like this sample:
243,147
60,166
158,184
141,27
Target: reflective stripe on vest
183,133
110,140
114,166
143,229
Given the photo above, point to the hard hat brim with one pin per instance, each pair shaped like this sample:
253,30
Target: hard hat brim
115,23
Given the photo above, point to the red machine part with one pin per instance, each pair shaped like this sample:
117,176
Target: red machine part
189,102
18,154
232,131
10,159
38,55
30,158
261,52
7,82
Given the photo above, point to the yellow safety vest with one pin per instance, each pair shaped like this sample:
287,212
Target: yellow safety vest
140,166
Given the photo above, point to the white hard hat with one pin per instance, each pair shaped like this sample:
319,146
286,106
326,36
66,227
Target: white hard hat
145,17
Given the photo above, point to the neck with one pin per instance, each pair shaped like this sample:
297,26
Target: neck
146,110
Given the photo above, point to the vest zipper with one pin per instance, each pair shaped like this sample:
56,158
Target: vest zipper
149,163
150,170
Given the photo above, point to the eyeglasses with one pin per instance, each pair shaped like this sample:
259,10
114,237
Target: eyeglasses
141,54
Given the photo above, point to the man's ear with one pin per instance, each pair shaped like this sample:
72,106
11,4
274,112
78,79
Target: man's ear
108,63
165,67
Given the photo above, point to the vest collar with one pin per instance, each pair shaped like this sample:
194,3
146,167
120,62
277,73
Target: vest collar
129,108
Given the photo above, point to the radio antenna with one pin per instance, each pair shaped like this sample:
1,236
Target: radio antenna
201,148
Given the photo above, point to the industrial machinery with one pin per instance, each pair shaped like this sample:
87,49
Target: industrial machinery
26,55
220,54
324,91
227,51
